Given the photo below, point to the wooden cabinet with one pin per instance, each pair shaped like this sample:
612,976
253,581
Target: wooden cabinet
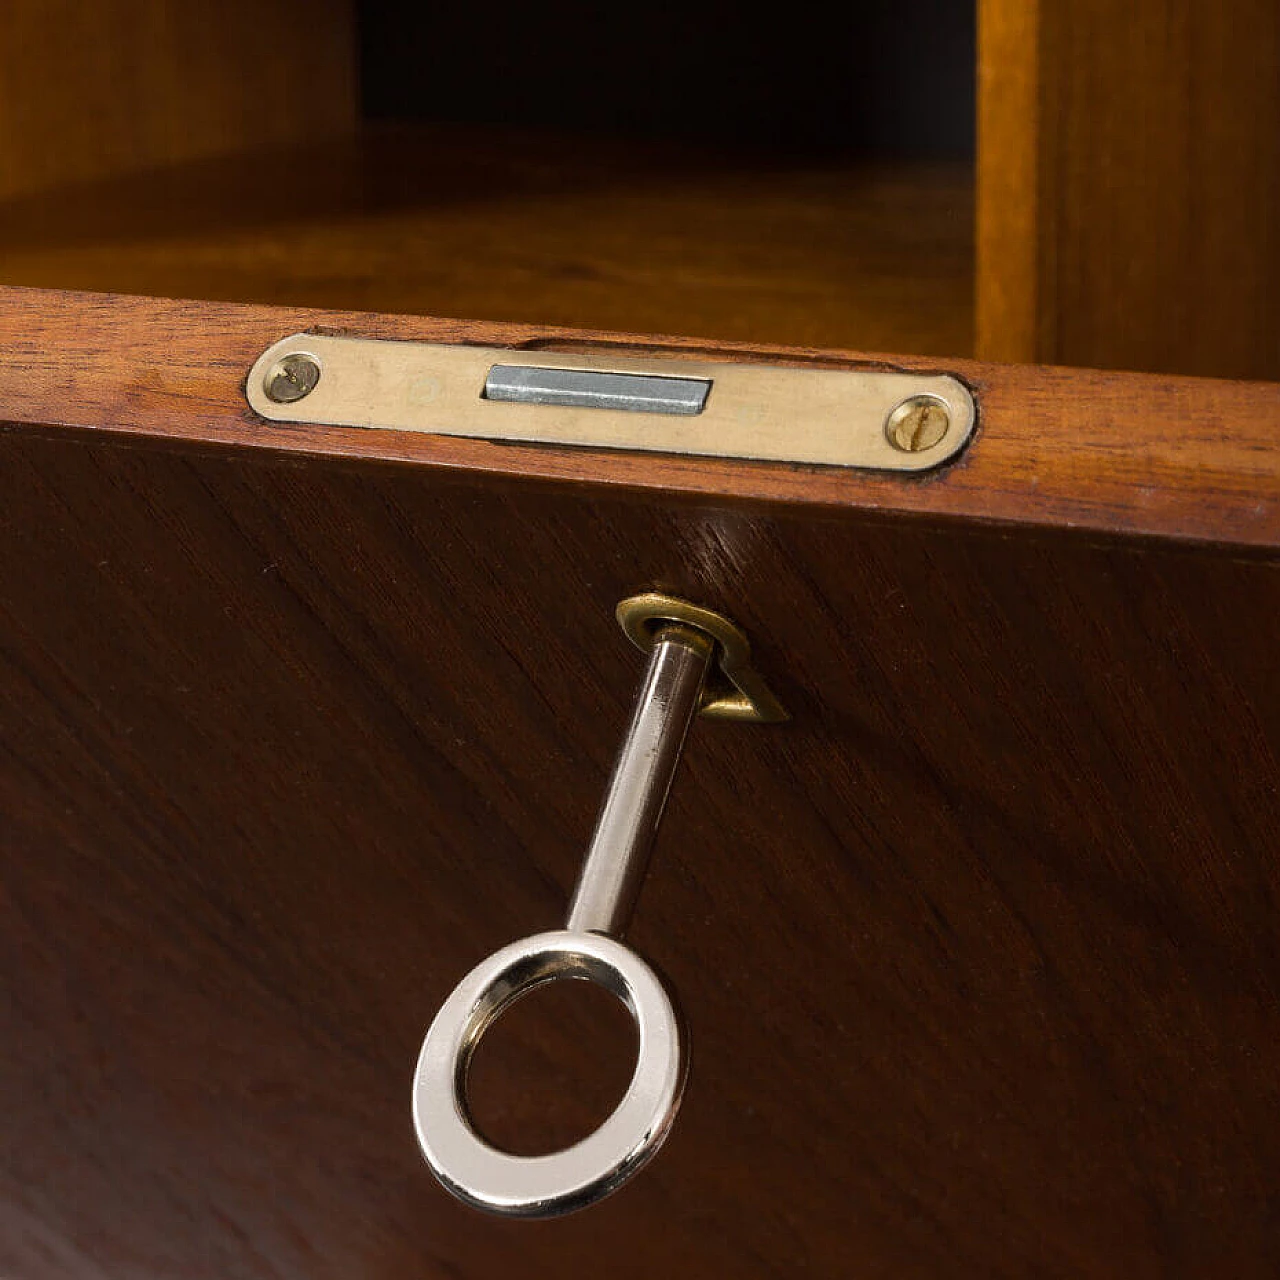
812,183
978,951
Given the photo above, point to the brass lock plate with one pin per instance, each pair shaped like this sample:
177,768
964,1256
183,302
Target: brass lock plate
877,419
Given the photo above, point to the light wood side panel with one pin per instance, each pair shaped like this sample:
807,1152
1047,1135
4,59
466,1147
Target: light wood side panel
1129,185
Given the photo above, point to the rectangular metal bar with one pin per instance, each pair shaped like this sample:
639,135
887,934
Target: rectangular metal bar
594,389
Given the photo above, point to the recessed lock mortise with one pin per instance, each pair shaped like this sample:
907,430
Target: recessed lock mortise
880,419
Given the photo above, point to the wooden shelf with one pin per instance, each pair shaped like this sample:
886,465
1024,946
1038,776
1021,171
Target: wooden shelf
533,228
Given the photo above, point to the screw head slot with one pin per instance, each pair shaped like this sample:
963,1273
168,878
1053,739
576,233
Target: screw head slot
292,378
918,423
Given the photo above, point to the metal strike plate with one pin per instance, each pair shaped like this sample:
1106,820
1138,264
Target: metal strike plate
877,419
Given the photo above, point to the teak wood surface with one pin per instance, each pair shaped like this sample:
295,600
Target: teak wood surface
1128,184
117,87
979,952
523,225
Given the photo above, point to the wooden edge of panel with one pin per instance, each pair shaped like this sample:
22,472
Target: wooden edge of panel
1187,458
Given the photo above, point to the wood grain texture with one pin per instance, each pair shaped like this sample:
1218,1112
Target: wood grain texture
534,228
1182,458
980,953
1013,226
1129,185
117,86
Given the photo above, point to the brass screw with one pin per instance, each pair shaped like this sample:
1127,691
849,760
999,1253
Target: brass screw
292,378
917,424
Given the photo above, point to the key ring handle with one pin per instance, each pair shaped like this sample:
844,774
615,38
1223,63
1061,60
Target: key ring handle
549,1185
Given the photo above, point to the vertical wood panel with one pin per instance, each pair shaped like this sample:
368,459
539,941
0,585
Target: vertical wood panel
979,953
1129,185
1007,290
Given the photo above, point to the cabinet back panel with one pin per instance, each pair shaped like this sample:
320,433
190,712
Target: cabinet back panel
866,77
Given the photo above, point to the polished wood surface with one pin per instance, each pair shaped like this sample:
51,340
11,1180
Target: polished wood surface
535,228
1129,185
116,87
1179,457
979,952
